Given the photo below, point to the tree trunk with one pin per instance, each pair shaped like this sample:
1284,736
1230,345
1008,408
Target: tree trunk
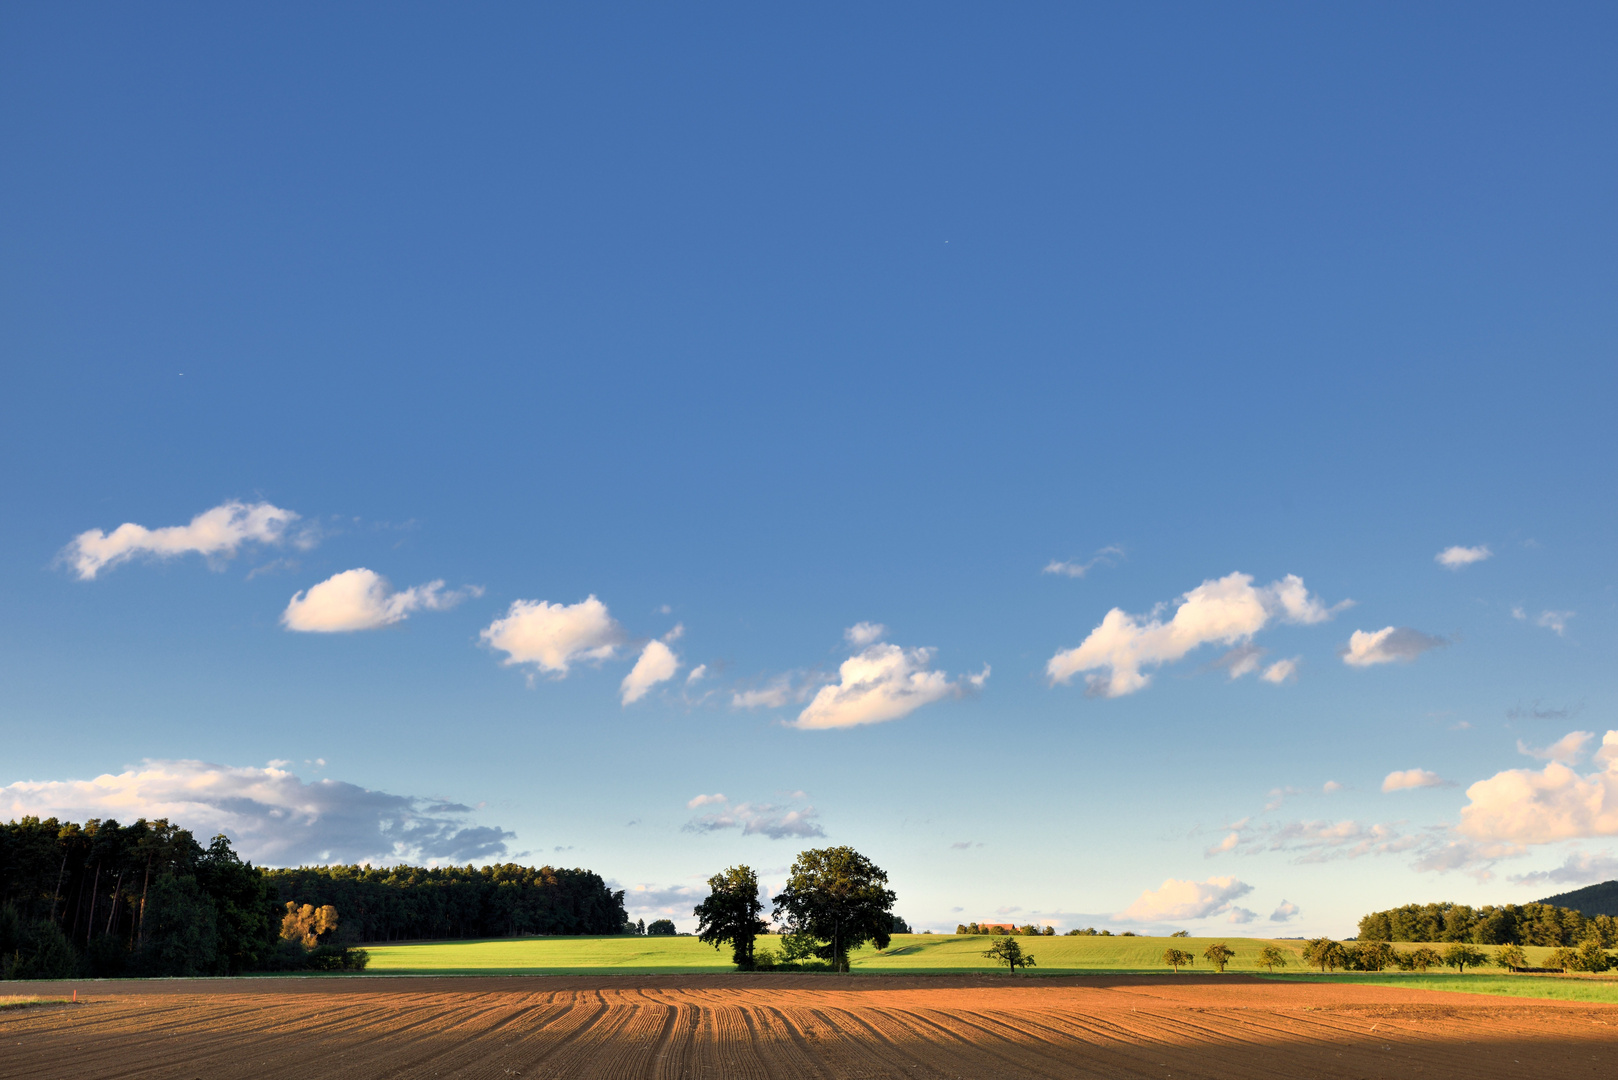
140,927
90,923
116,889
57,895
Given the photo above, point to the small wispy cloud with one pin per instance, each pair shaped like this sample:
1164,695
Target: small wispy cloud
776,821
1385,646
1554,621
1453,558
215,534
1568,749
1410,779
1074,568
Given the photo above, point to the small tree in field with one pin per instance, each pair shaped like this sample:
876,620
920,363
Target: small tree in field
1175,957
1423,958
1326,953
1562,960
661,928
1374,955
1460,954
1510,957
1271,958
1220,953
730,914
838,896
1007,951
1592,957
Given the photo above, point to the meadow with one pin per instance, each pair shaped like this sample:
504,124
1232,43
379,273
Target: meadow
942,954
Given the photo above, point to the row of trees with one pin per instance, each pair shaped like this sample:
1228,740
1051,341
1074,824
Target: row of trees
105,899
1507,924
1028,930
1329,955
835,901
406,903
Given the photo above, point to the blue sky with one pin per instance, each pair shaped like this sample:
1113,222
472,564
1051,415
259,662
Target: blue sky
824,350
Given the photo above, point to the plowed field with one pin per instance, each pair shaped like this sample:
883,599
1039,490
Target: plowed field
786,1026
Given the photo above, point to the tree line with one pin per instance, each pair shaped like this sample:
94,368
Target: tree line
1506,924
106,899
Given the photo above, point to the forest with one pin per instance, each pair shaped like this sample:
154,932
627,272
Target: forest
1506,924
104,899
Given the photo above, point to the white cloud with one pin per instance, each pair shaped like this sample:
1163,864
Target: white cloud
1177,900
1322,841
787,689
1241,915
216,534
881,682
1242,660
1330,786
1284,912
553,637
1555,620
657,663
1568,749
271,816
756,819
1227,844
1384,646
1228,611
1579,868
1524,806
360,599
864,633
1281,671
667,901
1407,779
1075,569
1453,558
697,674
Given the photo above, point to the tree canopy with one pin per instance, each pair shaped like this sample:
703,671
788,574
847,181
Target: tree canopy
1009,952
839,897
730,914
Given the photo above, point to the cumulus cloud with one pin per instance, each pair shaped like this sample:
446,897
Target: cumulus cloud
1386,645
1453,558
881,682
1076,569
215,534
1241,915
554,637
1525,806
1568,749
1408,779
762,819
862,634
360,599
657,664
1284,912
1176,901
697,674
1226,611
1579,868
1330,786
271,816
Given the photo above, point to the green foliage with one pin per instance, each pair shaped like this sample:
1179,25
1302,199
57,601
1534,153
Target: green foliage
730,914
840,897
1326,954
1368,956
1219,954
1507,924
1461,955
1563,960
1592,957
336,958
897,925
1178,958
1510,957
1004,929
1181,933
1271,958
182,935
661,928
1009,952
1418,959
1591,900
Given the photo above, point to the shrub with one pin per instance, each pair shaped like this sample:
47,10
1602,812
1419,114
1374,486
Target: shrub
1591,957
1510,957
1563,960
1418,959
336,958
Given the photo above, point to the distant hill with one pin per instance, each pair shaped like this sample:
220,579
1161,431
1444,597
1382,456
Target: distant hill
1592,900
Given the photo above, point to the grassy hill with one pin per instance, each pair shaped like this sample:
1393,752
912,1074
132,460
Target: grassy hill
909,954
1592,900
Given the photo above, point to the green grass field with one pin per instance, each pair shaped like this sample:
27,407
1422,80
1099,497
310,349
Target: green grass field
935,954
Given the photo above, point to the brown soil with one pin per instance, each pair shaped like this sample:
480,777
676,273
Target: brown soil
724,1026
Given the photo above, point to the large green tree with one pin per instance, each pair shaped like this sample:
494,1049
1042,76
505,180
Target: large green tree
730,914
839,897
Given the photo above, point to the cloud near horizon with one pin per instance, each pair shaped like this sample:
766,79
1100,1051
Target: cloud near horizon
215,534
361,599
271,816
1176,900
1226,611
1525,806
554,637
1387,645
756,819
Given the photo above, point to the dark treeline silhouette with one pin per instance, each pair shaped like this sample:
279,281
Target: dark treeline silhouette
1599,899
144,899
411,903
105,899
1508,924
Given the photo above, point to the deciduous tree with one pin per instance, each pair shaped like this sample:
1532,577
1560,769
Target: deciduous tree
1220,953
1271,958
730,914
1174,958
839,897
1009,952
1460,955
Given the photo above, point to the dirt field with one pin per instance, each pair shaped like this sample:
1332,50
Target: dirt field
786,1026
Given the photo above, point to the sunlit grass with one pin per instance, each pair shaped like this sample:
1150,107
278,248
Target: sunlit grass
24,1002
